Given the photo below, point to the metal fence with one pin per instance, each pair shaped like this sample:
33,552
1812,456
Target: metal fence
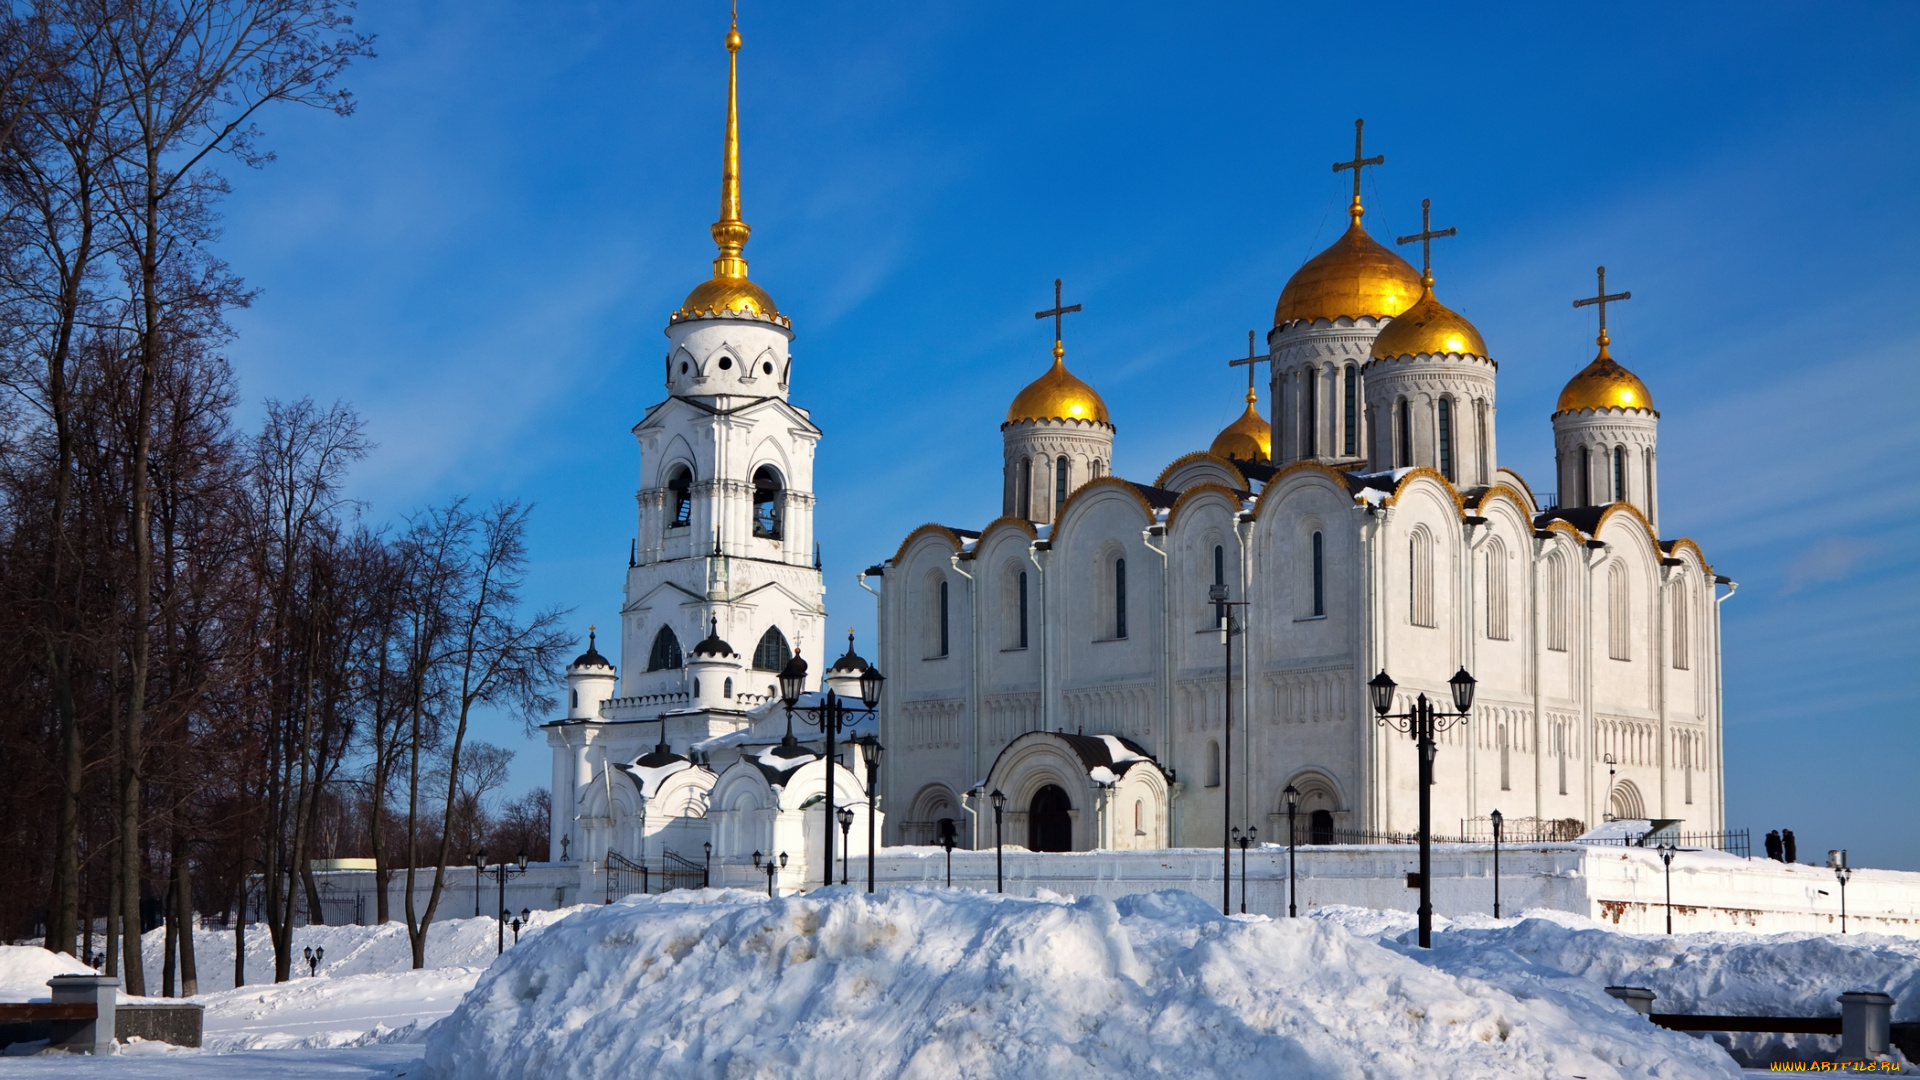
624,876
1733,841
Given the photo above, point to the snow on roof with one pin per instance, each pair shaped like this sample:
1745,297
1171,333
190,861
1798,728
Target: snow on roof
650,777
1120,751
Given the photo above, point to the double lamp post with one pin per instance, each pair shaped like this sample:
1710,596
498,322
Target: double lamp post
830,715
1422,723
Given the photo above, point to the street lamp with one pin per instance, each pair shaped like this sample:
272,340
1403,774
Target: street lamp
1293,804
999,865
1666,856
1423,722
314,956
1223,611
1243,839
829,716
706,868
479,865
771,868
1497,820
947,840
845,814
523,919
870,751
500,873
1838,861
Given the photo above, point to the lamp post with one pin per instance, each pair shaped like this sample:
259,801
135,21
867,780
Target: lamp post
999,865
771,868
829,716
500,873
706,868
870,751
479,865
1838,861
1293,803
1223,611
1243,839
845,814
523,919
1423,722
1496,862
1666,857
314,956
947,840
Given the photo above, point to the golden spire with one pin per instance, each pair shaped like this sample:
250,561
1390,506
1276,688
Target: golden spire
730,233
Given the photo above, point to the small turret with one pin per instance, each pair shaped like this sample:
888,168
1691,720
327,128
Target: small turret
591,682
712,667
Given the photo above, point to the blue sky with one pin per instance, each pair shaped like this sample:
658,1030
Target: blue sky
482,259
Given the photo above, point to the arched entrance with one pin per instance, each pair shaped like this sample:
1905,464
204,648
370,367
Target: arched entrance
1050,820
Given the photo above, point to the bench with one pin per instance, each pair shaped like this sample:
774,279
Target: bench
1864,1024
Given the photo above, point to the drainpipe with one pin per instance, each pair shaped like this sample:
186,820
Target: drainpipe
1534,654
1470,739
973,659
1719,773
1243,532
1594,551
1166,656
1046,694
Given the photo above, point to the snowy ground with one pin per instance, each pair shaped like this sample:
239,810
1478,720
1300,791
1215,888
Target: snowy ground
958,984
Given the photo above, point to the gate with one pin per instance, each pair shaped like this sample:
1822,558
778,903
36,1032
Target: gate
681,873
624,876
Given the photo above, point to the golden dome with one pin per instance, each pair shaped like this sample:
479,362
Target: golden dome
1246,439
727,296
1604,384
1355,277
1430,327
1058,395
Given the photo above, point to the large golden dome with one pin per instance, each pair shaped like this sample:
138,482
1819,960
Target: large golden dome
1355,277
1058,395
1430,327
1604,384
1246,439
721,296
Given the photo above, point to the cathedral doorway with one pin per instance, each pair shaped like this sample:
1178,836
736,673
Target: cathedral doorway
1320,827
1050,820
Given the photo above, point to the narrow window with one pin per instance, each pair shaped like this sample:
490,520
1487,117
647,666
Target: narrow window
1646,466
1556,603
1420,580
1496,590
1350,435
1680,626
1119,598
1480,425
1403,453
1319,576
726,689
665,655
1310,421
1023,609
1618,628
767,492
1023,497
680,497
1619,474
1686,763
1586,476
1446,438
1213,763
943,620
1506,775
1560,745
772,653
1139,817
1219,578
576,698
1059,484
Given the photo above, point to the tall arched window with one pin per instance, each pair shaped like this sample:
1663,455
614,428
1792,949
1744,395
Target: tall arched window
943,642
1496,590
1586,476
1350,426
1403,421
1023,609
1219,578
1213,763
1023,489
767,511
1619,627
1319,576
1687,744
1506,773
1485,457
726,689
1556,603
665,654
1446,438
1119,598
1619,474
1059,484
680,497
1310,413
1420,579
772,653
1680,626
1560,750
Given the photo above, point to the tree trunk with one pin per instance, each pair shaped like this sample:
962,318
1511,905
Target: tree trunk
111,931
240,934
171,942
185,915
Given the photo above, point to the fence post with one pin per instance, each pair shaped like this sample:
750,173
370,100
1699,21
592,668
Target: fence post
1865,1016
101,991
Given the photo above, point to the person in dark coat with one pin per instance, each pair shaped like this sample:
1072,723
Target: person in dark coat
1786,845
1773,845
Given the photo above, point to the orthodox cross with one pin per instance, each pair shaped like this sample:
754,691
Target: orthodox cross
1427,235
1603,300
1056,311
1248,361
1359,161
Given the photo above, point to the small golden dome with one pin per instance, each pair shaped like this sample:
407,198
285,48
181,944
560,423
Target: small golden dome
1430,327
1604,384
1058,395
728,296
1355,277
1246,439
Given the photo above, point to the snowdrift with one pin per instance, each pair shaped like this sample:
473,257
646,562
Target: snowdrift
939,984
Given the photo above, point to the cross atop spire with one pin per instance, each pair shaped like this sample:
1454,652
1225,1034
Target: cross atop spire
1055,313
1248,361
1602,300
1360,161
1427,235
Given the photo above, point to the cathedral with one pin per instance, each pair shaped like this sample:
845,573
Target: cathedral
1133,664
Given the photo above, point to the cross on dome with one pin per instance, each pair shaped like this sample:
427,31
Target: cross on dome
1055,313
1360,161
1427,235
1248,361
1602,300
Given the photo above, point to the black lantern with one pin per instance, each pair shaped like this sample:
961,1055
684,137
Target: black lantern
1497,819
870,682
999,800
521,859
845,814
756,860
1462,684
870,750
1293,798
1381,686
793,680
480,858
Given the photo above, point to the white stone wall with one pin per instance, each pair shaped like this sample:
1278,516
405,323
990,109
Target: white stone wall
1421,383
1032,450
1584,446
1311,412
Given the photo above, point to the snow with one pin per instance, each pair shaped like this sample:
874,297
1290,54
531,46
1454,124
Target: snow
25,969
928,982
650,777
1119,751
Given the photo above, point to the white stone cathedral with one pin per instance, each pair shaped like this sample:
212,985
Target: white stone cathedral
1067,654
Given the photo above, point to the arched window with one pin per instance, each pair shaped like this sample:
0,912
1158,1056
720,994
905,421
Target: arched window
1446,438
772,653
1099,468
767,491
680,497
1619,628
1680,626
1556,603
576,698
1310,413
1219,578
665,655
1023,609
943,620
1213,763
1420,579
1350,419
1480,430
1506,772
1619,474
1686,762
726,690
1586,476
1496,590
1023,491
1319,576
1059,484
1119,598
1403,421
1560,751
1139,817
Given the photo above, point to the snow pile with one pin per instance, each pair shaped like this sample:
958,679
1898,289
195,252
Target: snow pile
935,983
25,969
